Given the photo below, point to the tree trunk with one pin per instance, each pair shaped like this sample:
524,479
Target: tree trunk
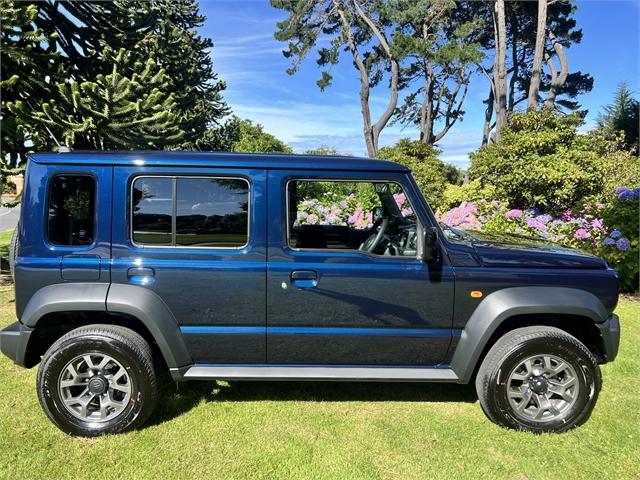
426,111
500,69
534,87
557,81
514,60
488,115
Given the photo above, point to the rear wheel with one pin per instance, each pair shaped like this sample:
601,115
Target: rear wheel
539,379
98,379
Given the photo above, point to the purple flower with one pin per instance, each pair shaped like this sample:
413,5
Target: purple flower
624,194
609,241
615,234
515,213
535,223
623,244
581,234
544,218
597,223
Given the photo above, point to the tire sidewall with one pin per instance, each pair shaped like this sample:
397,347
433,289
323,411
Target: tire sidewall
587,376
51,369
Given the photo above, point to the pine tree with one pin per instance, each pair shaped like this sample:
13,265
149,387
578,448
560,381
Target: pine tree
114,111
623,115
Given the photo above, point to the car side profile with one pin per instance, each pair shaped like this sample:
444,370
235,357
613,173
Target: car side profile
288,267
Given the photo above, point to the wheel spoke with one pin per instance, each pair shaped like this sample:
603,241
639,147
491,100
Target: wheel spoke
91,373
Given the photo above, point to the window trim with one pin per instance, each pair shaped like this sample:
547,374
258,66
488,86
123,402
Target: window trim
68,247
174,204
340,250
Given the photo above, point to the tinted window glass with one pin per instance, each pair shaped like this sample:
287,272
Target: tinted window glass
212,212
152,210
71,219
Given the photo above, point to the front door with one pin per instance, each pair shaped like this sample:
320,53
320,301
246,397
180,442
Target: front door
344,284
196,237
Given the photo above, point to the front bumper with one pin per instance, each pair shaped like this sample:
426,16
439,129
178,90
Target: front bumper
13,342
610,334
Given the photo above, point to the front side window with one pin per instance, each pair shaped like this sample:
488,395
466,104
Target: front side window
190,212
375,217
71,215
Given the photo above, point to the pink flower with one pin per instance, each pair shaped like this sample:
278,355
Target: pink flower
515,213
597,223
581,234
400,198
568,214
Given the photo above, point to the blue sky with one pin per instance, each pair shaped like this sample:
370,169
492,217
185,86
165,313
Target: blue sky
250,60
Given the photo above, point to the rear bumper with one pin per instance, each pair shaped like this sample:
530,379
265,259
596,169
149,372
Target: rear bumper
13,342
610,334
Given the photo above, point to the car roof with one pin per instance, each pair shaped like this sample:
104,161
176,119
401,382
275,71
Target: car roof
218,159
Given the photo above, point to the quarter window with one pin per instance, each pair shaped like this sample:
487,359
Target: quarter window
71,216
191,211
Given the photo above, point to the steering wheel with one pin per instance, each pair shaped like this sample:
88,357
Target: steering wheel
372,242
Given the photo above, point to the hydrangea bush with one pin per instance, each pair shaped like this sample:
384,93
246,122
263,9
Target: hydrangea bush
608,230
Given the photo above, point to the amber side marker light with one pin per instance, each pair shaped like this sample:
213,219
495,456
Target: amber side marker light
475,294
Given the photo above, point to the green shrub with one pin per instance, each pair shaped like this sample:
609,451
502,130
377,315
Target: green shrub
422,159
473,191
542,162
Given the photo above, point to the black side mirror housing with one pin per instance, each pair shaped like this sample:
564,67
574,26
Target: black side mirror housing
428,248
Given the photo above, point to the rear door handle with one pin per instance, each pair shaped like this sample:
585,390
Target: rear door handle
304,278
141,275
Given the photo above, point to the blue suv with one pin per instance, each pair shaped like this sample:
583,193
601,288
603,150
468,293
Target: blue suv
284,267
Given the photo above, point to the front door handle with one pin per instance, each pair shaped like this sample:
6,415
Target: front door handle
304,278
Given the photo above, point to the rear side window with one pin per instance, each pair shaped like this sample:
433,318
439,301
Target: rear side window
190,212
71,217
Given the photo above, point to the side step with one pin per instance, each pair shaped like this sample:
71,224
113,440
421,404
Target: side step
317,372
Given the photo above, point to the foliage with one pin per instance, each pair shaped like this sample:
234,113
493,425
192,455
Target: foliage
472,191
111,111
422,159
62,51
542,162
623,115
609,230
323,150
251,137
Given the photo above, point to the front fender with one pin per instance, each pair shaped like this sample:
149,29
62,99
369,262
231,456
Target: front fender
506,303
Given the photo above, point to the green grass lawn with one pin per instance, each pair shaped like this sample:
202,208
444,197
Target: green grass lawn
5,242
326,430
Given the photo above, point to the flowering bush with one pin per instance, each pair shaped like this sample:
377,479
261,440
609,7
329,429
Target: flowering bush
608,230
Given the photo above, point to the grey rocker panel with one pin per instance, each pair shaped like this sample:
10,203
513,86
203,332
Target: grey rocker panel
319,372
500,305
151,310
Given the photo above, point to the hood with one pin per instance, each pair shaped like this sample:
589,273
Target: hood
512,250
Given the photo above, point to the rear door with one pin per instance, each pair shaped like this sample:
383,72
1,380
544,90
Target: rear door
330,303
196,237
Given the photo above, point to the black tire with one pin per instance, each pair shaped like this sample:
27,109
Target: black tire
498,380
130,353
13,252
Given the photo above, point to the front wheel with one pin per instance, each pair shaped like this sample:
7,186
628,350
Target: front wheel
539,379
98,379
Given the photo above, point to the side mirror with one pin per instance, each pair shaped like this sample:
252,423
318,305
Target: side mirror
377,213
428,248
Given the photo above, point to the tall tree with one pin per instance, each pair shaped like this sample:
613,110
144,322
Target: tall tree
112,111
356,26
78,32
622,115
536,71
438,48
499,66
522,35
